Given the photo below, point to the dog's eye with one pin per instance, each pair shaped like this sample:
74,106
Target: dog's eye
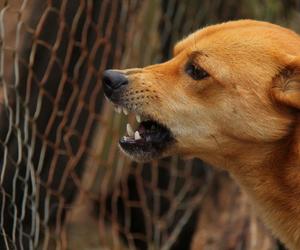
196,72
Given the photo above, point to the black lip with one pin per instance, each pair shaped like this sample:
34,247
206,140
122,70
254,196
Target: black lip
114,96
153,143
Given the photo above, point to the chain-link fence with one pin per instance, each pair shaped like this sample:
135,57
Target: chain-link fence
63,182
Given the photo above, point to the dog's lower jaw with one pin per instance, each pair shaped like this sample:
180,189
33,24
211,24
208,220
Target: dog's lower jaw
144,157
274,189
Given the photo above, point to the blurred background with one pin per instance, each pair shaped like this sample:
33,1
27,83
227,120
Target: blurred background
63,182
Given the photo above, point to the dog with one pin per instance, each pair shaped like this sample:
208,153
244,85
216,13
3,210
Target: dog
231,97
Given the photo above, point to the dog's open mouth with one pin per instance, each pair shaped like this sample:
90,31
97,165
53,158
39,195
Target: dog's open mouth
148,141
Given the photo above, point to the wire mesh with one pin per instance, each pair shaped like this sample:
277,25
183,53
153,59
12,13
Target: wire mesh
64,183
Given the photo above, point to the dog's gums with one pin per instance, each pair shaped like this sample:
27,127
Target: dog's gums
231,97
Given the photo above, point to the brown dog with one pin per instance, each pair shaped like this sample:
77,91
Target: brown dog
230,96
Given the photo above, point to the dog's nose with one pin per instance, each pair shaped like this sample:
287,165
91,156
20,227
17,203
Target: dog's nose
113,80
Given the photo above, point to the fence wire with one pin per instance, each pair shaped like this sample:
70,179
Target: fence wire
63,182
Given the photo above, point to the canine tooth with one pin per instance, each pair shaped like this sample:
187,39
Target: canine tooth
129,129
118,109
138,118
137,135
125,111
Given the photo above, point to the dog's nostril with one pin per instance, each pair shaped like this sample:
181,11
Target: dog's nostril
114,79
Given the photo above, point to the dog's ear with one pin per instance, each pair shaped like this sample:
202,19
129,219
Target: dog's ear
287,85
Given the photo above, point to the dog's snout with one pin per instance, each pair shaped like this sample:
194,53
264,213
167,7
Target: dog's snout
113,80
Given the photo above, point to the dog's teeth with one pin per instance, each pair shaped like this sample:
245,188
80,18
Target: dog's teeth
138,118
118,109
129,129
125,111
137,135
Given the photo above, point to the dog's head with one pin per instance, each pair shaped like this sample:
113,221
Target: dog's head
227,85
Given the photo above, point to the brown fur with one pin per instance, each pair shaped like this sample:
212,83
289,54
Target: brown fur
245,117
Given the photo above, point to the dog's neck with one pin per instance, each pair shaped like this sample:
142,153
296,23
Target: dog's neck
273,184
